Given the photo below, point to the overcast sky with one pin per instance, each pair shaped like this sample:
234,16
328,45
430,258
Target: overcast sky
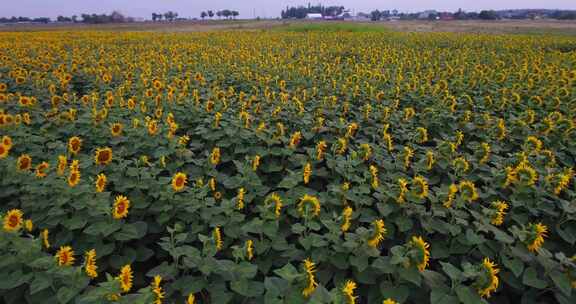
250,8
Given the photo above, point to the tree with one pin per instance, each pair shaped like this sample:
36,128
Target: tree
219,14
375,15
235,14
210,14
488,15
203,15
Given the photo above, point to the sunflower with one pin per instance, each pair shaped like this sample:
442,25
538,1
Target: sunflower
183,140
460,164
240,199
215,156
499,208
452,190
563,180
378,233
389,301
275,198
485,153
116,129
217,237
307,200
103,156
73,178
74,145
295,140
7,142
101,181
45,239
487,283
341,146
65,256
121,206
62,164
430,159
179,181
152,126
157,290
321,149
422,135
249,249
408,154
421,185
348,291
346,218
366,151
421,253
311,284
41,169
125,278
537,233
13,220
306,173
29,225
4,151
75,165
255,162
90,266
191,299
468,190
403,185
375,182
24,162
526,175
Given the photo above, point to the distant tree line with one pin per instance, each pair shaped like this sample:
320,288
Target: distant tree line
24,19
222,13
300,12
168,16
376,15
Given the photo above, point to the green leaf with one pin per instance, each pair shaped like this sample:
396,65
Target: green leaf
411,274
433,279
515,265
467,295
247,288
531,279
562,281
288,273
131,231
440,297
41,281
65,294
453,272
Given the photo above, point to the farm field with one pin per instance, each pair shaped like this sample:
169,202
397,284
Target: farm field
287,167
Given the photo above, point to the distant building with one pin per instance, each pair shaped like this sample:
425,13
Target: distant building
314,16
447,16
426,14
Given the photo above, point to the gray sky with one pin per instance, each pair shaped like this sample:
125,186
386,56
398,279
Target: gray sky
247,9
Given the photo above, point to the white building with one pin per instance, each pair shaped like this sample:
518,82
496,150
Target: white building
314,16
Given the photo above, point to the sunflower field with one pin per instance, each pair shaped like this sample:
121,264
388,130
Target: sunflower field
277,167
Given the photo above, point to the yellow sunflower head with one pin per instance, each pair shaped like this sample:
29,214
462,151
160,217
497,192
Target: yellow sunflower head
116,129
41,169
74,145
74,178
121,206
24,162
101,181
13,220
103,156
65,256
179,181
